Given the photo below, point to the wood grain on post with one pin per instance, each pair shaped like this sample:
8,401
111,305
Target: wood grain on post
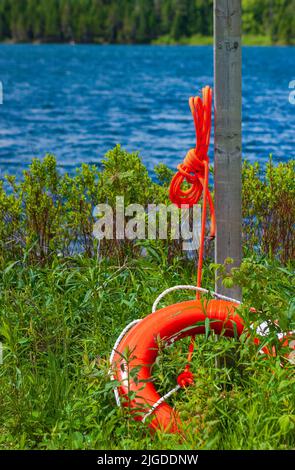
228,141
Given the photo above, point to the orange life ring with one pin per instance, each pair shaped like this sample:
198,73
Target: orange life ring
143,340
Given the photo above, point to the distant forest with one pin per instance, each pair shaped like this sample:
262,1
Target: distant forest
135,21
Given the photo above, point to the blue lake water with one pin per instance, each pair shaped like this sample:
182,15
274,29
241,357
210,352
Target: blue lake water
79,101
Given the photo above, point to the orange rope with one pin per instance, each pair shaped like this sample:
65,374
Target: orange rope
195,171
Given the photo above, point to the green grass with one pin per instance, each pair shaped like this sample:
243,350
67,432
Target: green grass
195,40
199,40
256,40
58,325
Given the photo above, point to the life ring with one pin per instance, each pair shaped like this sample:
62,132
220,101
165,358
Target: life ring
286,341
140,340
136,389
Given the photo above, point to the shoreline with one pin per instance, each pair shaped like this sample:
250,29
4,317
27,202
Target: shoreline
197,40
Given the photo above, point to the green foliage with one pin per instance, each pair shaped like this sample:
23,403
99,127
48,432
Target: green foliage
136,21
272,295
59,324
62,308
163,174
273,18
124,174
50,214
269,209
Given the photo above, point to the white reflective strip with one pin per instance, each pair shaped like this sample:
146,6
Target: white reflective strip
263,329
114,350
159,402
134,322
189,287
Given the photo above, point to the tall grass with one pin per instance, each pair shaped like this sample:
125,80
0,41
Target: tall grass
58,326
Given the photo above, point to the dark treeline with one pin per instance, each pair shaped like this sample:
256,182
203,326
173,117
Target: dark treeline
134,21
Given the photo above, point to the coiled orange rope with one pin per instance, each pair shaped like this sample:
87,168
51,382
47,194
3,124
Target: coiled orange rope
195,171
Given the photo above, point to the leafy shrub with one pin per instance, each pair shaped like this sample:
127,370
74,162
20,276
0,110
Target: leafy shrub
269,209
50,214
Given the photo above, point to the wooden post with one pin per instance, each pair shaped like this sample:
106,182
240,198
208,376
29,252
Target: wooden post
228,141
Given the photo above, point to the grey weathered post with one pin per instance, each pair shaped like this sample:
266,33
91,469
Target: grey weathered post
227,146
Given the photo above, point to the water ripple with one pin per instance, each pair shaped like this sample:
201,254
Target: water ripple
77,102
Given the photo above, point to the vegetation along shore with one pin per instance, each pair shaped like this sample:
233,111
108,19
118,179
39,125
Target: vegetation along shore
64,298
139,21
